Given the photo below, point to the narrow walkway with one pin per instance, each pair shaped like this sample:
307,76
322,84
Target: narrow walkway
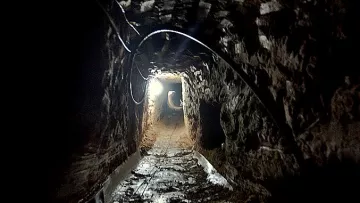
171,173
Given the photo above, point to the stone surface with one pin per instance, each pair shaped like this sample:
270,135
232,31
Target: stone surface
170,176
300,55
170,171
104,122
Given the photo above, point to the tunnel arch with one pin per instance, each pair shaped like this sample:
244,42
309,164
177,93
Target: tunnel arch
263,96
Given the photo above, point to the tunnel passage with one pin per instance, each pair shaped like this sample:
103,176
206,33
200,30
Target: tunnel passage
169,159
297,76
164,115
163,90
212,134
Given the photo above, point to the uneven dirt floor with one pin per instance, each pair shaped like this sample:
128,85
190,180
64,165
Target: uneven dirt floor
170,171
169,132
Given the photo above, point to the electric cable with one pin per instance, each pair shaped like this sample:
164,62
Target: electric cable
112,23
131,88
241,73
123,11
143,77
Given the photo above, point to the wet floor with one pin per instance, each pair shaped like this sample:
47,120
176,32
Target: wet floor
171,173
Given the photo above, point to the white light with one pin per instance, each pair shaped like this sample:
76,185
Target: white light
155,87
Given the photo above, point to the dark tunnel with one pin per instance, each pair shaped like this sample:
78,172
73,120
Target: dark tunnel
212,133
206,101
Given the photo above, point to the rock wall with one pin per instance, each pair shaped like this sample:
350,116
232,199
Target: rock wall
302,56
104,123
256,156
155,105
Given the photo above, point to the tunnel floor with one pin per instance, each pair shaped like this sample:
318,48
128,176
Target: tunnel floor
172,172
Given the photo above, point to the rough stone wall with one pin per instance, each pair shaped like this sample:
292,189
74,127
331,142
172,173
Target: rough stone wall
253,150
302,54
104,121
256,157
155,105
317,94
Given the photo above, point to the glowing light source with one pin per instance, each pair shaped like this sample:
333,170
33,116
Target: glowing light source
155,87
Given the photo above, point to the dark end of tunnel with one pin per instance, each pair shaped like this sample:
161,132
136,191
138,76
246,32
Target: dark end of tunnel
212,134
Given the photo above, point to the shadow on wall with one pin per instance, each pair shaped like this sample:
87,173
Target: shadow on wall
212,134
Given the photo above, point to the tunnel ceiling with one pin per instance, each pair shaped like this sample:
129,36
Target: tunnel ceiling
242,30
271,41
176,54
170,51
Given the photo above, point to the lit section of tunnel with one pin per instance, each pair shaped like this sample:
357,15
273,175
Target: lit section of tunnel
256,102
226,116
170,169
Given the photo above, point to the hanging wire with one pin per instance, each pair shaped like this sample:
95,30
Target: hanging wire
131,85
132,64
143,77
112,23
123,11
